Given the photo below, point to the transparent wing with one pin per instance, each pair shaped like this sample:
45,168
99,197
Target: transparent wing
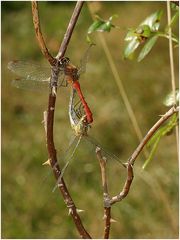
30,85
67,156
108,155
68,161
84,61
32,76
30,71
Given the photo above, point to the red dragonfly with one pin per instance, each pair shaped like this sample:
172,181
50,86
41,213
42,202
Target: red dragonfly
33,76
80,128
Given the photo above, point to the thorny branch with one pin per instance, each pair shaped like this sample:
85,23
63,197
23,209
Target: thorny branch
109,201
51,109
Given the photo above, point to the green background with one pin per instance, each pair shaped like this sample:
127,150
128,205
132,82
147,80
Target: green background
29,208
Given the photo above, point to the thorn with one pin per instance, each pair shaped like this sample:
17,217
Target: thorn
70,211
80,210
47,162
45,117
113,220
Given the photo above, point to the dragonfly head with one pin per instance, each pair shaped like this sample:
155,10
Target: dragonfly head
64,61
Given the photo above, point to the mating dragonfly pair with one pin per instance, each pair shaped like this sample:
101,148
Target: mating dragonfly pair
33,76
80,128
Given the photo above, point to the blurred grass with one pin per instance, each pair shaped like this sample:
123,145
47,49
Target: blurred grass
29,208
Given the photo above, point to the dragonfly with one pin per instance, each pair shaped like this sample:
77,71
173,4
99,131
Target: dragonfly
81,128
34,76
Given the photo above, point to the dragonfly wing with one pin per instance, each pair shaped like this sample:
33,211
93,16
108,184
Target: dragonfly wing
68,161
30,71
62,158
62,79
107,154
30,84
84,60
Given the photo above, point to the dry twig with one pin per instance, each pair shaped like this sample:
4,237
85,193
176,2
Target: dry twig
39,35
106,198
51,108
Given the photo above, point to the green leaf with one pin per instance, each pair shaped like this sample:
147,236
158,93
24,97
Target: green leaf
147,47
131,34
105,27
174,18
169,99
158,134
95,26
173,21
100,25
113,16
162,131
152,153
174,7
88,39
144,31
153,21
131,47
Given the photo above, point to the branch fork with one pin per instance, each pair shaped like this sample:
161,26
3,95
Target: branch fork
109,201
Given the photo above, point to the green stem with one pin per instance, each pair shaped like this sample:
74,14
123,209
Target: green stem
174,39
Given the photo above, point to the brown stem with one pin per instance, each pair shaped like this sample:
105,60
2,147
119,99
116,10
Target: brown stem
107,218
133,157
39,36
135,154
126,187
107,206
70,28
50,114
167,115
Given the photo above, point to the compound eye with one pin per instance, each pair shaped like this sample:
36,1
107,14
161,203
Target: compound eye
64,61
67,60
